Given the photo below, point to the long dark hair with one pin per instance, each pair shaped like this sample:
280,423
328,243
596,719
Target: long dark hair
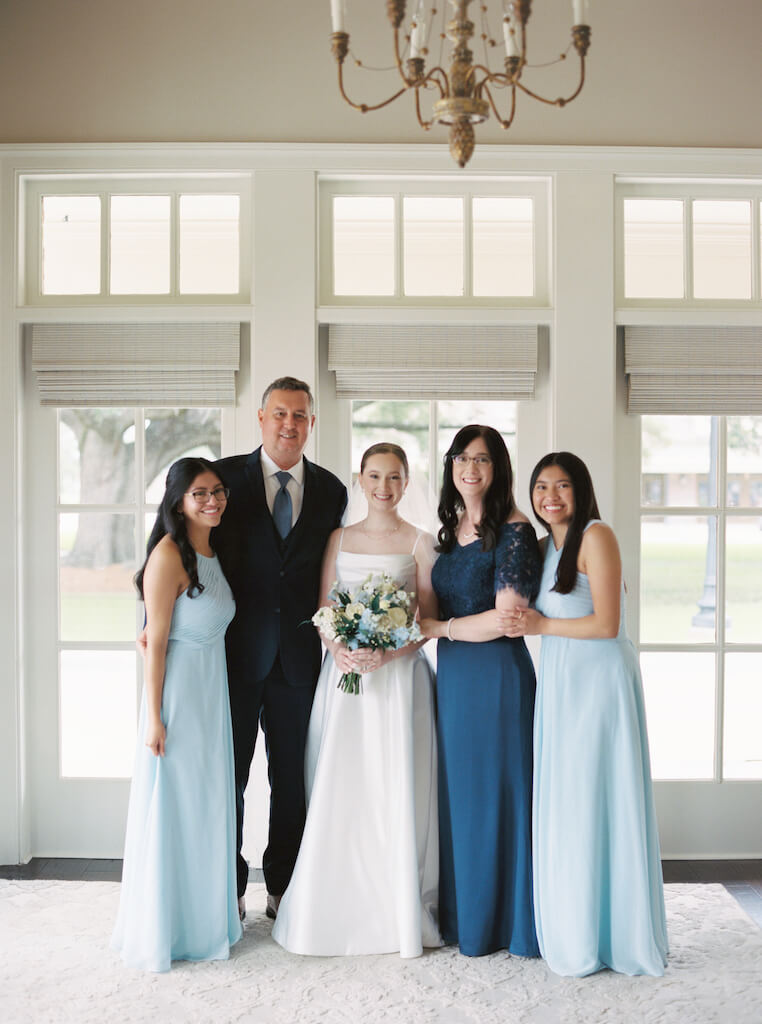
585,509
170,520
498,502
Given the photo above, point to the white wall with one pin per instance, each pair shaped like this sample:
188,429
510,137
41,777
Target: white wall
581,399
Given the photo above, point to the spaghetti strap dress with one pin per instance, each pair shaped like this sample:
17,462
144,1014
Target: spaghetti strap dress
365,880
598,890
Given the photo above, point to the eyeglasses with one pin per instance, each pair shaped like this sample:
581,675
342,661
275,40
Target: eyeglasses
478,460
201,496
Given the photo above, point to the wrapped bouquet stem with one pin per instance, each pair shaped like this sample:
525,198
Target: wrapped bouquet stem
378,615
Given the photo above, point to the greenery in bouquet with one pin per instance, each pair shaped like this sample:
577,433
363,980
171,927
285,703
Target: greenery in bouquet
378,614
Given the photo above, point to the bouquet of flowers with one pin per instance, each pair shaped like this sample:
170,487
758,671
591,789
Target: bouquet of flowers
378,614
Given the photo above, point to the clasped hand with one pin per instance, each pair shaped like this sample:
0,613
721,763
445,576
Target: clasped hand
364,659
520,621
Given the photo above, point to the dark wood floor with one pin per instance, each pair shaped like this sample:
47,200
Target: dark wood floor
742,878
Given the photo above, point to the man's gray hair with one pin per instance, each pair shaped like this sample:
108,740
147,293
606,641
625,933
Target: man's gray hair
289,384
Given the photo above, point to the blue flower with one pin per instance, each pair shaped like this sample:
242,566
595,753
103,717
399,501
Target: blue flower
399,637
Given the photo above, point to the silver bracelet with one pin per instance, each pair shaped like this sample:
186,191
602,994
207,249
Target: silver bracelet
449,628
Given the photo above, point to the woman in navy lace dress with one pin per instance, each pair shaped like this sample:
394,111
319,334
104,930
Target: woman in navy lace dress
489,561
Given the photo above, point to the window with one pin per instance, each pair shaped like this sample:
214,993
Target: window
426,429
422,242
700,594
113,240
690,245
111,469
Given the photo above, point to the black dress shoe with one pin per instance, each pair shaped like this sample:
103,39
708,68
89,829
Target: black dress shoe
273,902
242,908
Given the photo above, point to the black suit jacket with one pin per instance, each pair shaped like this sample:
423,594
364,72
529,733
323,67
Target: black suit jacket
275,583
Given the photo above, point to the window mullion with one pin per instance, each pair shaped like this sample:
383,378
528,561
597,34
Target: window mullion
468,245
688,247
755,243
174,244
139,526
433,445
720,612
105,198
399,248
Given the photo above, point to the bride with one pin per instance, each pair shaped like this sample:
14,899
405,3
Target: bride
367,873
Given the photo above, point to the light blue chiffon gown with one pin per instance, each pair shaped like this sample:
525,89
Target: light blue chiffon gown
597,873
178,897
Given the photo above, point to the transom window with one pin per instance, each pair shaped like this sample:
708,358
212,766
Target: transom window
141,240
701,594
689,245
440,241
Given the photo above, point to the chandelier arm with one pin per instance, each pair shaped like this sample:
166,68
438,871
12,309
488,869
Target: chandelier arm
364,108
443,85
424,124
501,120
559,101
489,76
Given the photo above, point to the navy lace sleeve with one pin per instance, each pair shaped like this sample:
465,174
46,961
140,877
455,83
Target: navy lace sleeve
517,560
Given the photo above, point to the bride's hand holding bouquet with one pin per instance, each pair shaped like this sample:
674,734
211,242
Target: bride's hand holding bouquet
377,617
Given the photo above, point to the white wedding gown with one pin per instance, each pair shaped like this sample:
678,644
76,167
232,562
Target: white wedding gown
367,873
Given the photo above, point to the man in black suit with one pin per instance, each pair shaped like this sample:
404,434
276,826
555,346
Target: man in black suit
281,511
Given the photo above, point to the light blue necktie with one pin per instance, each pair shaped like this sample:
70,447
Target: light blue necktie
282,510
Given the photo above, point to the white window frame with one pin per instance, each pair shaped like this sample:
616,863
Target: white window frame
139,509
434,460
537,189
687,191
721,512
32,188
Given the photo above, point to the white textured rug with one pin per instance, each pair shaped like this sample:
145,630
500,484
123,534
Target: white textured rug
55,965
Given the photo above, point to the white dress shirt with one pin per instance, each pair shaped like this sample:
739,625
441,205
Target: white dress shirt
295,486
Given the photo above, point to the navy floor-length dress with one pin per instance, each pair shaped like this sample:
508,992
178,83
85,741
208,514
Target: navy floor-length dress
485,708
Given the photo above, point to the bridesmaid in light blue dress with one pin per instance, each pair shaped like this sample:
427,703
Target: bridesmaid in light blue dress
178,897
597,873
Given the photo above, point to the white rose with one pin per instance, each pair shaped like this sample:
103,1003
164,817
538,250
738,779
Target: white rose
398,616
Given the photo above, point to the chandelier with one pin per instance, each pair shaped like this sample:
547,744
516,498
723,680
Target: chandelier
464,94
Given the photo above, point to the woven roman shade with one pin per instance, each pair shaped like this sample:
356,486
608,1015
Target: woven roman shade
694,370
136,364
424,362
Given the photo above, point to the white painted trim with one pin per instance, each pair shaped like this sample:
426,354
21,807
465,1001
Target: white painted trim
627,162
133,314
465,315
14,832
